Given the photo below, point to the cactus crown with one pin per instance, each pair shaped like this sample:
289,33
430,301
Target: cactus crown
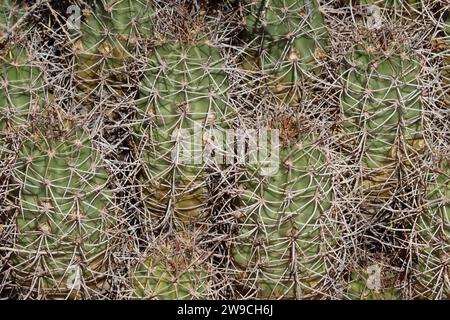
289,42
291,31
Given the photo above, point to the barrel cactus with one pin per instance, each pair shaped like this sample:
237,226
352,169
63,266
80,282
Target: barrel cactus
65,215
22,91
280,250
433,233
381,110
291,40
108,36
173,269
23,95
183,105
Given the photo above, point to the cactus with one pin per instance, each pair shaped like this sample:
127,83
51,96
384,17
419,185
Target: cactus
174,269
182,100
108,35
65,214
381,112
280,249
354,206
22,90
291,40
433,237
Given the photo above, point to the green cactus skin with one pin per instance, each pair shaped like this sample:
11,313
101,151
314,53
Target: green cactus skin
381,110
280,248
184,88
433,238
22,91
291,39
109,34
64,216
172,270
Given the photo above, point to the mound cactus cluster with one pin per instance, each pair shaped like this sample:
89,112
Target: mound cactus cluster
235,149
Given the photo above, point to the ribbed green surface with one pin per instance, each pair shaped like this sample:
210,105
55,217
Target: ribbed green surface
184,88
381,111
109,33
289,39
64,214
433,237
173,270
279,251
22,90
